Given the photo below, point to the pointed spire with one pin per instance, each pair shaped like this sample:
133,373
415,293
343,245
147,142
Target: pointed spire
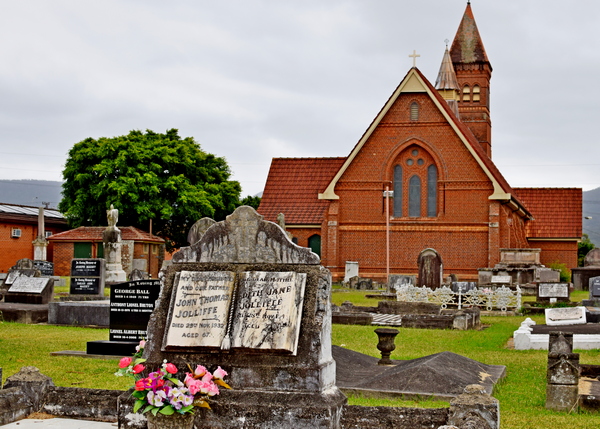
446,78
446,82
467,46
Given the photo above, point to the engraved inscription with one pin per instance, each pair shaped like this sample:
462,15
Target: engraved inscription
200,309
269,309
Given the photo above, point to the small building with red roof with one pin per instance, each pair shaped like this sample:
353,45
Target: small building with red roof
140,249
422,176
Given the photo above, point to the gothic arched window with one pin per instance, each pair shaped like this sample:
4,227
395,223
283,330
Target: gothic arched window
476,93
466,93
415,181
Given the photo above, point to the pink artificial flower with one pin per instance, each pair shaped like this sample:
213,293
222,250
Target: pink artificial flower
141,384
207,377
193,385
219,373
170,368
211,389
199,371
140,346
124,362
138,368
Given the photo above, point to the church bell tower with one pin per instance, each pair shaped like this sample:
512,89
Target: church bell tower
473,73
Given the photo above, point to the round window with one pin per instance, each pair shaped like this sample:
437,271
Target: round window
420,161
410,162
415,152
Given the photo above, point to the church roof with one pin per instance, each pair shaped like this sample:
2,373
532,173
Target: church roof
467,46
94,233
557,211
292,188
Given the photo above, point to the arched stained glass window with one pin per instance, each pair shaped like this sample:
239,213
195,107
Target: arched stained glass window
397,191
432,191
414,196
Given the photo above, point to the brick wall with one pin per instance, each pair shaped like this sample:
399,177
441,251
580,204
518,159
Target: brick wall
13,249
63,254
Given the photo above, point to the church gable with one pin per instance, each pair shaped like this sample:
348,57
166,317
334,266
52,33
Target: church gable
414,103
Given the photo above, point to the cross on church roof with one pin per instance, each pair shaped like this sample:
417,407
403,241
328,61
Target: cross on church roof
414,57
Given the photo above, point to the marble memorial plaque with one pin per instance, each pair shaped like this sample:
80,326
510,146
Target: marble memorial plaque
553,290
502,279
268,311
12,276
46,268
29,284
199,309
83,285
86,267
565,316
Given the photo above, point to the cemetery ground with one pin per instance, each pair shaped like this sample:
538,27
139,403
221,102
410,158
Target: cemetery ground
521,393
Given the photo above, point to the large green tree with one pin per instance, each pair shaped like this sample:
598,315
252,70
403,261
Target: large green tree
147,176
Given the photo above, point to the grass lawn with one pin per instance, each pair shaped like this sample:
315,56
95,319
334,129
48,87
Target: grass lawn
521,393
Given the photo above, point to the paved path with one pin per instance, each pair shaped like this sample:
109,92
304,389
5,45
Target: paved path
58,423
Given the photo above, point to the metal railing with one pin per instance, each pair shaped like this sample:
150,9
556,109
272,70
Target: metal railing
501,298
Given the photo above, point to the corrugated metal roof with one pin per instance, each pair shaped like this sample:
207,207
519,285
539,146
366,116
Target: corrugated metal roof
29,211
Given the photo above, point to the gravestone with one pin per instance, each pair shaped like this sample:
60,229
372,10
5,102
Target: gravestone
430,269
464,287
87,276
45,268
396,281
552,292
198,229
131,304
592,259
23,268
248,299
565,316
30,290
351,271
562,374
595,288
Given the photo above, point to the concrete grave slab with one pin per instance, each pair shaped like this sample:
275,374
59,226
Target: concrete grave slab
565,316
442,375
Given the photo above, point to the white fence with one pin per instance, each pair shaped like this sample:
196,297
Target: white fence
501,298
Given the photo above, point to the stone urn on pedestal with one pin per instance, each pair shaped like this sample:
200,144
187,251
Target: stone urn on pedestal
386,344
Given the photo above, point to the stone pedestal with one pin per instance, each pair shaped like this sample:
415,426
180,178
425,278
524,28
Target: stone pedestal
111,238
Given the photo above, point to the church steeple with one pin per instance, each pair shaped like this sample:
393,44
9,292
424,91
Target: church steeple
446,82
473,73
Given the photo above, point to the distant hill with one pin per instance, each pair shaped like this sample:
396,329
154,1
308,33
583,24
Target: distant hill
30,192
591,208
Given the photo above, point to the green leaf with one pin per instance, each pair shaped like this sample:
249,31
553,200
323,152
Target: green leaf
138,404
167,410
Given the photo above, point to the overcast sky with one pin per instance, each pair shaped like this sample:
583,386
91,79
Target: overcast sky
252,80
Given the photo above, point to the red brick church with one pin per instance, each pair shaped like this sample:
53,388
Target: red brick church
422,176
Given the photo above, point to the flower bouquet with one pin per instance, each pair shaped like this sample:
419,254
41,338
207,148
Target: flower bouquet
161,392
